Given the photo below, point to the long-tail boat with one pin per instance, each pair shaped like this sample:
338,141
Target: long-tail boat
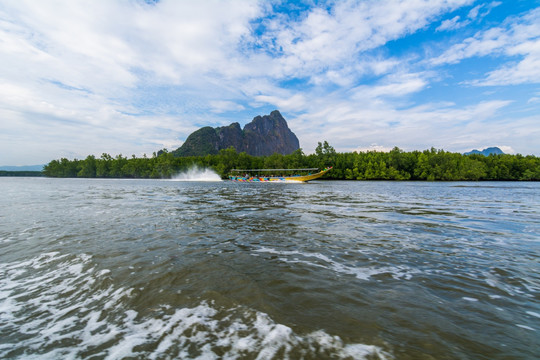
269,175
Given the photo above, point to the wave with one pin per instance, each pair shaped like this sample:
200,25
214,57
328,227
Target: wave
398,272
62,306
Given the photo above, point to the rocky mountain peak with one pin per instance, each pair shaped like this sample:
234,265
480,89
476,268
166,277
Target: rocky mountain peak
264,135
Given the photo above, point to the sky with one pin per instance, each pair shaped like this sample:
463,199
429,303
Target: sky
131,77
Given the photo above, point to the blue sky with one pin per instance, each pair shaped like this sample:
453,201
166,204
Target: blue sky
133,77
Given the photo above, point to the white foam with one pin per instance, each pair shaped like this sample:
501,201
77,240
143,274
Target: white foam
238,335
532,313
399,272
494,281
525,327
47,300
469,299
4,240
197,174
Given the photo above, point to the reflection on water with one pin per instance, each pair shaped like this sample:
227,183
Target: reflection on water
162,269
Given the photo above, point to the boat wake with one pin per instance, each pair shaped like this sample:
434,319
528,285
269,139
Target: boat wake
62,306
197,174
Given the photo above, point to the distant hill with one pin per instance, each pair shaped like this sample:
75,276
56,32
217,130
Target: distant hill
22,168
264,135
486,152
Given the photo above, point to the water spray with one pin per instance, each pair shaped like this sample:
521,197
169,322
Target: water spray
195,173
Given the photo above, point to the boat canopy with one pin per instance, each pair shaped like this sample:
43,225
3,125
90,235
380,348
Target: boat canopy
259,170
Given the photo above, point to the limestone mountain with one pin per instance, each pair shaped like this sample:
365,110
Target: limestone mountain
486,152
264,135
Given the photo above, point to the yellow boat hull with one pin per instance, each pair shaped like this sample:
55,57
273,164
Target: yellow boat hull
295,178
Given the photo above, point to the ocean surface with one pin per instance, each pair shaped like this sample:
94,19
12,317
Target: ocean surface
160,269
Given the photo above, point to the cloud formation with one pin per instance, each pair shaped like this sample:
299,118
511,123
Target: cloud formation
517,37
133,77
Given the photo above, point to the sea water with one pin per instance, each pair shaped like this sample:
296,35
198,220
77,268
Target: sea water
163,269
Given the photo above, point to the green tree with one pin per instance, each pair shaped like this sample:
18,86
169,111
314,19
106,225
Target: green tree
429,164
103,165
87,167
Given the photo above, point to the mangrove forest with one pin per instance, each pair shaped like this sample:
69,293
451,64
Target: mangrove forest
432,164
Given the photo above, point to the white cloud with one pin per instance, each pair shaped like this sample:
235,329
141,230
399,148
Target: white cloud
482,10
124,43
72,72
294,102
518,36
373,147
172,40
506,149
491,42
523,72
350,126
125,76
394,86
329,44
221,106
452,24
475,14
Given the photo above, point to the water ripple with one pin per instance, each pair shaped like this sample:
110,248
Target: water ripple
161,269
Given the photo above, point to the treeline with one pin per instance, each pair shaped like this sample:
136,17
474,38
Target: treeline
430,164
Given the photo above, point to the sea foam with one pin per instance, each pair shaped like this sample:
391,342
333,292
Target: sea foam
399,272
51,309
